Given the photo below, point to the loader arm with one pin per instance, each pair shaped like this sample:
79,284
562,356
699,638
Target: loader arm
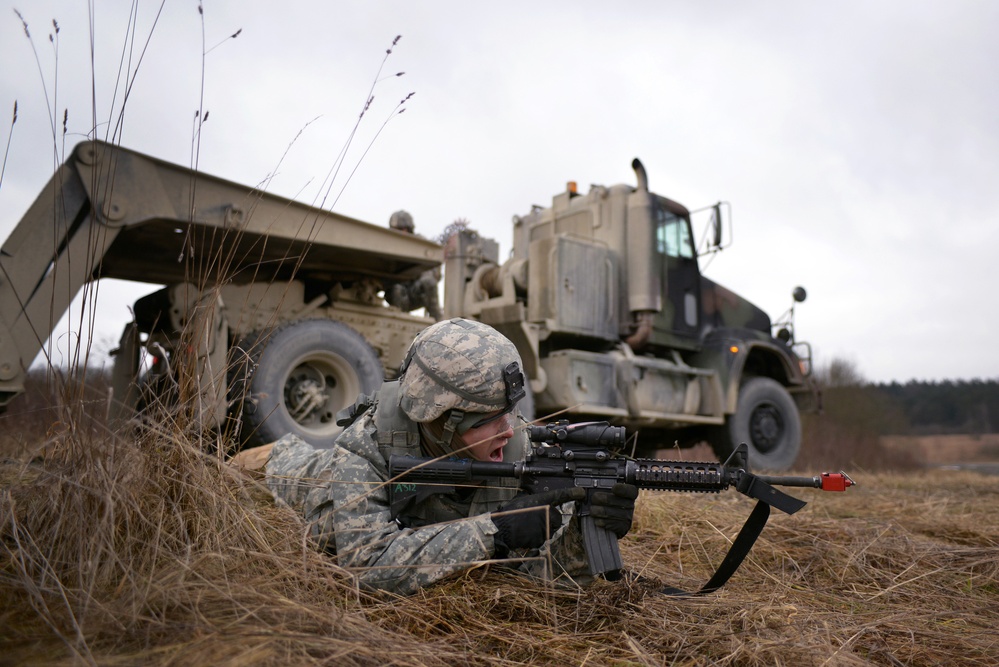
114,213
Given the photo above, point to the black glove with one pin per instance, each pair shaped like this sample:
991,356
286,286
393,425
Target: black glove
528,520
613,509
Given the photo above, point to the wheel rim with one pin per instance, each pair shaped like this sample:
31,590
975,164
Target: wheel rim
766,427
317,387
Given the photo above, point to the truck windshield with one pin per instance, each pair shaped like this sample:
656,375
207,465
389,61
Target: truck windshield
673,235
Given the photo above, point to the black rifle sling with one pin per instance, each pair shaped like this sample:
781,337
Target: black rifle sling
736,553
766,496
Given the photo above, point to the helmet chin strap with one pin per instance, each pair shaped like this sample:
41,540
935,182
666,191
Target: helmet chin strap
450,427
439,438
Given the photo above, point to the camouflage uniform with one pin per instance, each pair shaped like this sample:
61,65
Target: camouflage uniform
419,293
343,493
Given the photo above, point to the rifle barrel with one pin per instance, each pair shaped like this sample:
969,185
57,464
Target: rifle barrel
827,481
778,480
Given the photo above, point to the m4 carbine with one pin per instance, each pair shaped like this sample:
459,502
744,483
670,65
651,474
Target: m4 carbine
566,455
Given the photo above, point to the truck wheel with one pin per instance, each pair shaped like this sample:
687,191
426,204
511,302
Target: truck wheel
767,420
297,377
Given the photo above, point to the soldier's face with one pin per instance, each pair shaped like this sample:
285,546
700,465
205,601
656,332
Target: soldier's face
486,443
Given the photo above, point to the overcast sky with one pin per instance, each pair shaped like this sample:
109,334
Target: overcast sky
857,141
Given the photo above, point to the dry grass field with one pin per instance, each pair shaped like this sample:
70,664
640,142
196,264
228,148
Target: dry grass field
945,450
137,547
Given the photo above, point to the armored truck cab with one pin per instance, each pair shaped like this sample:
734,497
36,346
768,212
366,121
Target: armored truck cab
604,298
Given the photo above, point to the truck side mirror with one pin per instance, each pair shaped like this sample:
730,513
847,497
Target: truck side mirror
799,294
716,226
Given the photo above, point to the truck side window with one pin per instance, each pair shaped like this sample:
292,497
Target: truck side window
673,236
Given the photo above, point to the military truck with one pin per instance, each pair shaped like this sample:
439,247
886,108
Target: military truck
604,299
280,313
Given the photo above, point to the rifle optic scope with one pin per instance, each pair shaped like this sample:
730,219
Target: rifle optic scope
586,434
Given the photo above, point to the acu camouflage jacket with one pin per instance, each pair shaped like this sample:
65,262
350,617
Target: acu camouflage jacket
343,495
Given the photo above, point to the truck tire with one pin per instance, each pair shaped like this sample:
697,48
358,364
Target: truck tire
295,378
766,419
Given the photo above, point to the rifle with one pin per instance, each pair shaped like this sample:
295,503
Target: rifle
565,455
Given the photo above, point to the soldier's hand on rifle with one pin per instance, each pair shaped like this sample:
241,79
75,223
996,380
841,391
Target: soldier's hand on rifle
614,508
529,519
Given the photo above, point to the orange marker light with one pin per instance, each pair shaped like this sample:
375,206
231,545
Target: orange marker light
734,349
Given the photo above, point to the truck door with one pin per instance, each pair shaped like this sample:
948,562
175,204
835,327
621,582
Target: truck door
675,245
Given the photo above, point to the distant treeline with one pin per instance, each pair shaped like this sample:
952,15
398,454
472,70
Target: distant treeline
962,406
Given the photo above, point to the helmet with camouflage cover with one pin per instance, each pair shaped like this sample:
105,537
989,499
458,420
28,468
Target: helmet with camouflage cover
402,221
460,365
